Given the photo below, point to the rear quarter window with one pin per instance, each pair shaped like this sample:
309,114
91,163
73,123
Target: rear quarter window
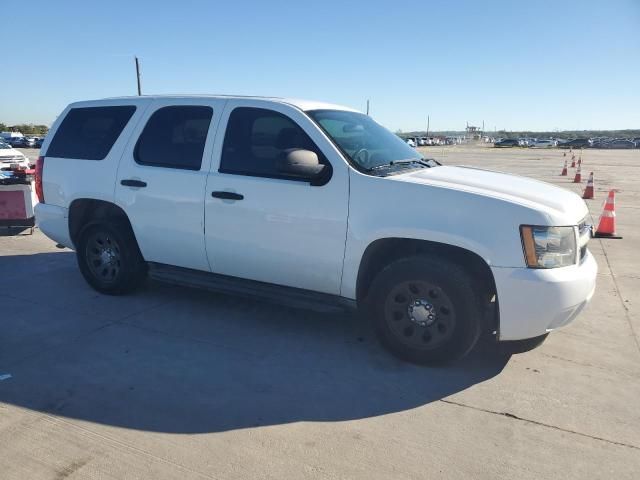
89,133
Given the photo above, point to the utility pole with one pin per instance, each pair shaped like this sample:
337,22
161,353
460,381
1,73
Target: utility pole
138,75
367,107
428,125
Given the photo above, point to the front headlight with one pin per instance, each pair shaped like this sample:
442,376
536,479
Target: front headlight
549,247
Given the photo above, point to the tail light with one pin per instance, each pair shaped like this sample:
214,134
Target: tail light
39,172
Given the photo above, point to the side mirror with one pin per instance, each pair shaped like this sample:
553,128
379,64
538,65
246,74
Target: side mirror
300,163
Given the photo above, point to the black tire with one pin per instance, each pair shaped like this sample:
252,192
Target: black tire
425,310
109,258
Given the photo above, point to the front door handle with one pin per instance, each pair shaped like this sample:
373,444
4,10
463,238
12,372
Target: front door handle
227,195
133,183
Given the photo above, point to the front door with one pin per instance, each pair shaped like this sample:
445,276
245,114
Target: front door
267,226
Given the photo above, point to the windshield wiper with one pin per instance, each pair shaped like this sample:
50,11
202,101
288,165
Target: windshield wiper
392,163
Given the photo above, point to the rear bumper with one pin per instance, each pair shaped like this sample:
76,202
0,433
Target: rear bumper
533,302
53,221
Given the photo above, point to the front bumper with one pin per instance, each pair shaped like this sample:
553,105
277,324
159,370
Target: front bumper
533,302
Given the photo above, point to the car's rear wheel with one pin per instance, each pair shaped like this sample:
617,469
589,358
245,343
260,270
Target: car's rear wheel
425,309
109,258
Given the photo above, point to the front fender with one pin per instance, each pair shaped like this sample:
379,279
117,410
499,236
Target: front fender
382,208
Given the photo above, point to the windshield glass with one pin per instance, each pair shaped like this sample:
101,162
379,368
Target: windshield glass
365,142
4,145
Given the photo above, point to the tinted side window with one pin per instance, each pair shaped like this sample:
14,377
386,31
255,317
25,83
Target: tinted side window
174,137
89,133
256,139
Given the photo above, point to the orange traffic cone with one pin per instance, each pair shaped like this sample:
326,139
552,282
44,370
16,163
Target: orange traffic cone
564,170
588,192
607,224
578,177
573,161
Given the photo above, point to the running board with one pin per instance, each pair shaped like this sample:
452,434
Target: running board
281,295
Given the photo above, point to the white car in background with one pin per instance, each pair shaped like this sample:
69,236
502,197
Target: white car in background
543,143
411,142
10,158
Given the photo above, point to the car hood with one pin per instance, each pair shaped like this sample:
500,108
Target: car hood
558,204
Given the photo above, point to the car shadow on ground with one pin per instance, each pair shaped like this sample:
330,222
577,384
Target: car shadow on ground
170,359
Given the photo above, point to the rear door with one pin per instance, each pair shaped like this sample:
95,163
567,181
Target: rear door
162,178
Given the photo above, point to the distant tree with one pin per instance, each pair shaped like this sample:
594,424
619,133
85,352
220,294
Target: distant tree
29,129
3,127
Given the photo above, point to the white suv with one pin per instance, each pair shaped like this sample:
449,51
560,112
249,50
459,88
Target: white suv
313,205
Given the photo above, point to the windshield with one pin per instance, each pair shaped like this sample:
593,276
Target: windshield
4,146
366,143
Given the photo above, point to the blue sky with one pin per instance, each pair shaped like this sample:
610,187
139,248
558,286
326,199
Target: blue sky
516,65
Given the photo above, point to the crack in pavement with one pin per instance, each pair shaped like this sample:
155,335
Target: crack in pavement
541,424
590,365
627,314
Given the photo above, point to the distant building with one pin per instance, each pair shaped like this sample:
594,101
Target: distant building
474,133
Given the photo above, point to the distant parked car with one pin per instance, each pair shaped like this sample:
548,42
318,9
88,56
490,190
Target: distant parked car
17,142
576,143
38,142
543,143
507,142
620,143
411,142
30,142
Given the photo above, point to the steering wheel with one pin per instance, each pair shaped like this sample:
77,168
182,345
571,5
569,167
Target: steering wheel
362,152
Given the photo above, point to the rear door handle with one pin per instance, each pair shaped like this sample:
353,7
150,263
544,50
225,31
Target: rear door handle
227,195
133,183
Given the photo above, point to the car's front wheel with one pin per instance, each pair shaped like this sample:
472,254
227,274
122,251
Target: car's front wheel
109,258
425,309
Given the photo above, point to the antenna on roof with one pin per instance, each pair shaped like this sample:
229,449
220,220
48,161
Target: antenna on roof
138,75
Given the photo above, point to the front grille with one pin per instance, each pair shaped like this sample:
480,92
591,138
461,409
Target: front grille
12,159
584,235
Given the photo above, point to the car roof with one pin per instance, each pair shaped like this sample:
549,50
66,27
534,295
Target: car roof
305,105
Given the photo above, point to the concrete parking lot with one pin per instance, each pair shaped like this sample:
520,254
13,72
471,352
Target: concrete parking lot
177,383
